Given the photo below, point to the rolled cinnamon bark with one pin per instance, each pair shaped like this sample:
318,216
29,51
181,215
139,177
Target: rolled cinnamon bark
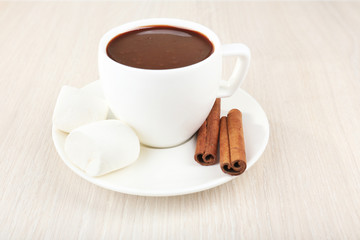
207,137
224,147
232,157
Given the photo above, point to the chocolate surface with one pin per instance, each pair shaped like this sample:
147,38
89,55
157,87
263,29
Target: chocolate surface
159,47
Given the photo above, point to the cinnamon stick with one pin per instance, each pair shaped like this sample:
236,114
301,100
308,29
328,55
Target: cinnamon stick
232,144
224,149
207,137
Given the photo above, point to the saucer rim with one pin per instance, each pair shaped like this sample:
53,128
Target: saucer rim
56,134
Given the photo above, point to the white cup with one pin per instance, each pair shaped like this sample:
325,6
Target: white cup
166,107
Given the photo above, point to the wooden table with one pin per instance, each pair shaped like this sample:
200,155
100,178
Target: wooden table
305,72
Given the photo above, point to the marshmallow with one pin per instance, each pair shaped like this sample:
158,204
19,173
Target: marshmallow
95,89
102,147
75,107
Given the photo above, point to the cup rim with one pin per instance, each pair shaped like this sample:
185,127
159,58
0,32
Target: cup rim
174,22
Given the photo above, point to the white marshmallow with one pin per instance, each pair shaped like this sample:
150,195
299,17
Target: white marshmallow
75,107
102,147
95,89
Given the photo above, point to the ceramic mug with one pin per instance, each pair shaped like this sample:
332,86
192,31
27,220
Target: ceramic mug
166,107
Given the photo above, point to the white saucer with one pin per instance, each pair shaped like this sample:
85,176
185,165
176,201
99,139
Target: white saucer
173,171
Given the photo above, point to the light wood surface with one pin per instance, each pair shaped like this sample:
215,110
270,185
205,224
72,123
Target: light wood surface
305,72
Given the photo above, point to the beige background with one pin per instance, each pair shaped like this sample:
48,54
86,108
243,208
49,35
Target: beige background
305,72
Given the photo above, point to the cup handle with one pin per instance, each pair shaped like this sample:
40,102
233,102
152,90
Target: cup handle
227,88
